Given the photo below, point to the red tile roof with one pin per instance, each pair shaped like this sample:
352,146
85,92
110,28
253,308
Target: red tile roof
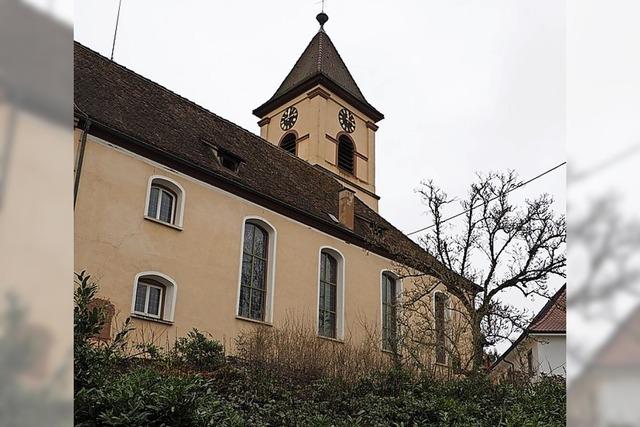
623,349
551,319
553,316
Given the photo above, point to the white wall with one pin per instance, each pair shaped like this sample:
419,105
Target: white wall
552,357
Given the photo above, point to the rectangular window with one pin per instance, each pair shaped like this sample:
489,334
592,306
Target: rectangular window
148,299
441,307
141,298
389,319
530,362
161,204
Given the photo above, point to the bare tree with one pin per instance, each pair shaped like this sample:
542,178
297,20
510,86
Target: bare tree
499,247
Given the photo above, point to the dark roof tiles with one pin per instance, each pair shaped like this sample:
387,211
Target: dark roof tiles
124,102
320,60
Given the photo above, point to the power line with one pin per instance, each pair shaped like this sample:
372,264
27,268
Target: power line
522,184
115,33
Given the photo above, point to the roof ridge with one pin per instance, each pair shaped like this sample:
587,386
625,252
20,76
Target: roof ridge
347,68
546,309
320,51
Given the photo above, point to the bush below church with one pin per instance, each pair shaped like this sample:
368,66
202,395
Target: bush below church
193,384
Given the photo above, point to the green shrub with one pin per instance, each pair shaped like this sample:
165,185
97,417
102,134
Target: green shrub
198,352
114,390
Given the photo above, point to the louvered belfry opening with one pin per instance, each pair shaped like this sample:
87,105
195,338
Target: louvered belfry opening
345,154
289,143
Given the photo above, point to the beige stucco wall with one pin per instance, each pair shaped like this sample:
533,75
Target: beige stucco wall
317,129
36,246
114,242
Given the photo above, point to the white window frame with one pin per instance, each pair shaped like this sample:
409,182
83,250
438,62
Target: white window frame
162,189
399,289
169,294
340,303
271,267
166,184
148,284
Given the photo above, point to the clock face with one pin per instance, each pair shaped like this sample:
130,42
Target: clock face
347,121
289,118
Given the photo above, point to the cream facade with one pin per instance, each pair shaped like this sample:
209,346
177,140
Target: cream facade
116,242
188,221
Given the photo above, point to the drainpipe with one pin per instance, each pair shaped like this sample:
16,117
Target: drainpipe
83,144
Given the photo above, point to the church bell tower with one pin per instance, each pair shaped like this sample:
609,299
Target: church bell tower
320,115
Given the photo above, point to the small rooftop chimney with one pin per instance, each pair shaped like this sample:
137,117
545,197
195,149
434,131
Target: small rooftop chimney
346,207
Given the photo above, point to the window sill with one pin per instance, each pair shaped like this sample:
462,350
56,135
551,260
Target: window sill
166,224
151,319
336,340
259,322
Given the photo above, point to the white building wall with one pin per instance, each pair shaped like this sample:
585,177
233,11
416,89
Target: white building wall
552,354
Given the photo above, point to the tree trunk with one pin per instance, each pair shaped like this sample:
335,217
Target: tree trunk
478,345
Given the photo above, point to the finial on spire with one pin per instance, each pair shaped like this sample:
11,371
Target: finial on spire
322,19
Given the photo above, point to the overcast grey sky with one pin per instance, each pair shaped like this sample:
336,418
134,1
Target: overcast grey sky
465,86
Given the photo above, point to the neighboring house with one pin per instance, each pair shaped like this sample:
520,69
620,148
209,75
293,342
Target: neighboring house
187,220
606,392
35,116
541,348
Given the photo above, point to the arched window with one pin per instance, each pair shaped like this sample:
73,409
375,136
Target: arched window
346,153
441,313
165,201
330,294
389,311
256,277
154,296
288,143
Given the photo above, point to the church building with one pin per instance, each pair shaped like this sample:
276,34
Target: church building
186,220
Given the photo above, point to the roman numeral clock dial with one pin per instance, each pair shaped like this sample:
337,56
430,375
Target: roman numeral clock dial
347,121
288,118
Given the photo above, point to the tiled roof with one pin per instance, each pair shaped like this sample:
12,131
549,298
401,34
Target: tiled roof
319,63
150,118
551,319
553,316
623,349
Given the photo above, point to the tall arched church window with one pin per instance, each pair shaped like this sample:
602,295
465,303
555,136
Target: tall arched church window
253,284
441,307
389,311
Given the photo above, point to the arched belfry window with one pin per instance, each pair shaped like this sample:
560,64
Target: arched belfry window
288,143
346,151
